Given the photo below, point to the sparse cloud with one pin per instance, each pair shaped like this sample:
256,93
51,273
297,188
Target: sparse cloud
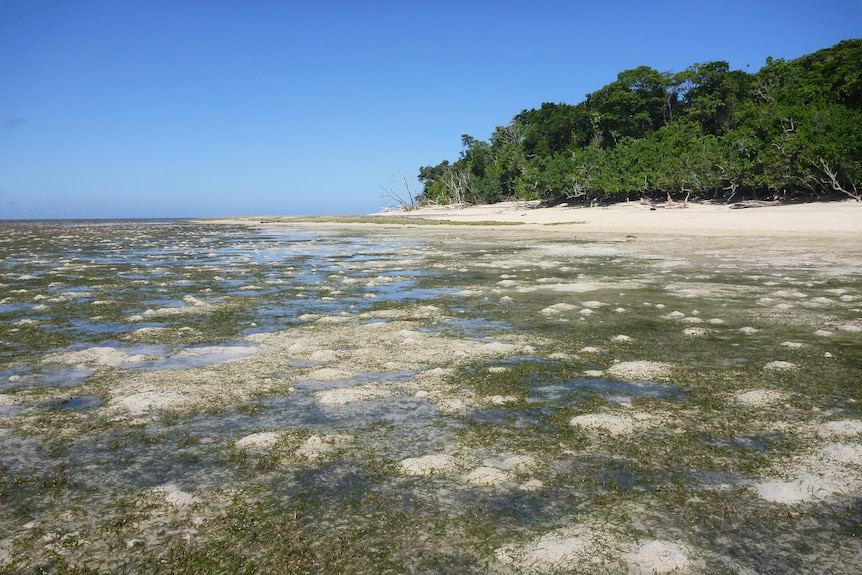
14,122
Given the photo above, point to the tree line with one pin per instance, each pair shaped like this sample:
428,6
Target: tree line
792,129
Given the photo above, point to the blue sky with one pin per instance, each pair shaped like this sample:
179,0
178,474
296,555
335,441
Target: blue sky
172,108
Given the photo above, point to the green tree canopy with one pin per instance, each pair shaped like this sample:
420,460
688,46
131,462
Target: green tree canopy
792,128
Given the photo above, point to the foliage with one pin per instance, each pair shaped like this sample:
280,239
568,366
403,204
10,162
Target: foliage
794,128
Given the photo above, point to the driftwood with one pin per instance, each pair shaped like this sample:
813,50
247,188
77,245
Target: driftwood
754,204
670,204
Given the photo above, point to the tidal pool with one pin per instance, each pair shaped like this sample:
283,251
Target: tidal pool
303,398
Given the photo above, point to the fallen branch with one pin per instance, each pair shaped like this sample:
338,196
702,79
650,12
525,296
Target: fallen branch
673,204
754,204
836,185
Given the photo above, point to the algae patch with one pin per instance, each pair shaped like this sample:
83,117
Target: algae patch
284,398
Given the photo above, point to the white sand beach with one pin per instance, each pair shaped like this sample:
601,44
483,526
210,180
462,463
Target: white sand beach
710,219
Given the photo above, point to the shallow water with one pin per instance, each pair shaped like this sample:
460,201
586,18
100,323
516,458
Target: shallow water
163,400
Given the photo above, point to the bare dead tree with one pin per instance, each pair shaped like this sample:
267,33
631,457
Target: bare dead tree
404,204
510,133
576,190
835,184
458,184
764,91
732,186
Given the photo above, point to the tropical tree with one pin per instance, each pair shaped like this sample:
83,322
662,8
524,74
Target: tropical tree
792,128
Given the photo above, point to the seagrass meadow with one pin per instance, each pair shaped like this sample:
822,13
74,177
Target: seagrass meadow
313,397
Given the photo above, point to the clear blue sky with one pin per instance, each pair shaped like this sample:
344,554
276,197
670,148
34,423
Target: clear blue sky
172,108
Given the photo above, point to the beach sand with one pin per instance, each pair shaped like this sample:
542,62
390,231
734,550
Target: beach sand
822,219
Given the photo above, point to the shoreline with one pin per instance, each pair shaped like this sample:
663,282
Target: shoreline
832,219
838,220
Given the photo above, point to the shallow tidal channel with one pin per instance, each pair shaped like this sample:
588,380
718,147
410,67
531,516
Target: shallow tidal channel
194,397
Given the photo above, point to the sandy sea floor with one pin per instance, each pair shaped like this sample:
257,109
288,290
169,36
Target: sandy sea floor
597,390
